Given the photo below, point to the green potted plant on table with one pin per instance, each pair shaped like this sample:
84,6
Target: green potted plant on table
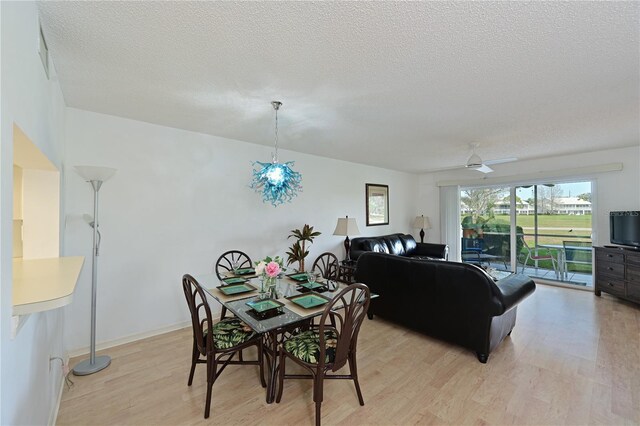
297,252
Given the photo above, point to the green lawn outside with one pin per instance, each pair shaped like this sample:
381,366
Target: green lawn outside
567,227
555,220
546,221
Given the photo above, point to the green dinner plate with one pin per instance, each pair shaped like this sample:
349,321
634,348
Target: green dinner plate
236,289
264,305
234,280
300,276
309,300
245,271
311,286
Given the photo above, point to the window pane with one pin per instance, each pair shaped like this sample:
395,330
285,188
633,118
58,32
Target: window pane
556,223
486,227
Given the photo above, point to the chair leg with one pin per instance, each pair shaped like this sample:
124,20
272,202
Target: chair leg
318,415
194,359
280,376
526,259
317,394
261,362
211,377
353,367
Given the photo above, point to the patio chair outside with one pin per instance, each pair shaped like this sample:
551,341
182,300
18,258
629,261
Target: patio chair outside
578,252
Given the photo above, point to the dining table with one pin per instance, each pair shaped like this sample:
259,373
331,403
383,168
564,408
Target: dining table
277,324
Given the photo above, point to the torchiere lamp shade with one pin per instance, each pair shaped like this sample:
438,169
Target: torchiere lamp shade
91,173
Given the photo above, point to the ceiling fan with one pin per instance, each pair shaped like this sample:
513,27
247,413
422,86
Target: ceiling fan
475,162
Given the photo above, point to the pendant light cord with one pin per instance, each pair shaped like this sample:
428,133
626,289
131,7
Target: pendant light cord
276,106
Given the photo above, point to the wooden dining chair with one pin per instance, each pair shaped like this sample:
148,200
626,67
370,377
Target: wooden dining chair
224,264
215,344
327,263
326,348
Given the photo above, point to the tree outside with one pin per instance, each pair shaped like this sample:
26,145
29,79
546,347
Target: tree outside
481,201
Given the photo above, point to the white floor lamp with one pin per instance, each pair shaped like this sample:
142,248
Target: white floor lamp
95,176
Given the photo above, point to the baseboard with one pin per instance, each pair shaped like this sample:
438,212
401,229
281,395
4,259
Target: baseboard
128,339
553,283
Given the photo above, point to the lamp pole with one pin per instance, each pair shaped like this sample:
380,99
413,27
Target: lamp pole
94,363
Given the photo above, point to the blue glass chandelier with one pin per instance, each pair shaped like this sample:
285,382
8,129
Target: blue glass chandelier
277,182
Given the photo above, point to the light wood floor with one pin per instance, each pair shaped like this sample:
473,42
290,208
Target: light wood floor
572,358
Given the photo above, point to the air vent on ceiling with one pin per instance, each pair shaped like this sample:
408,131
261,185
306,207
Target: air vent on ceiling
43,51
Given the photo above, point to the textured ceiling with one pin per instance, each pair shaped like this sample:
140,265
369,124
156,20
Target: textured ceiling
400,85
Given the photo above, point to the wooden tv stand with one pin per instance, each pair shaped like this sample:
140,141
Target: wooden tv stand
617,272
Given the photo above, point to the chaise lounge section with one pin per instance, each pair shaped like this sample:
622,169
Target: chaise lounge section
452,301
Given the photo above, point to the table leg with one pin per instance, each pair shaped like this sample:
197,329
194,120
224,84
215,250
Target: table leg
271,352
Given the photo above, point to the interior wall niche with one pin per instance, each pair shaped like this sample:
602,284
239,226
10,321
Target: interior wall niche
36,201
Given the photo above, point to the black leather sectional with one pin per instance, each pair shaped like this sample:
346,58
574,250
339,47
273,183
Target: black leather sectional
398,244
452,301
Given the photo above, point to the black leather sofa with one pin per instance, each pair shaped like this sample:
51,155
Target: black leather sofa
452,301
398,244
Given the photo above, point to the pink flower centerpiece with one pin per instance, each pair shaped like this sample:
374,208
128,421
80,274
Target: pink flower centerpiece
269,269
272,269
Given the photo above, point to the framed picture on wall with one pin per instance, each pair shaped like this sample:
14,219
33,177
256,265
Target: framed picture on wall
377,199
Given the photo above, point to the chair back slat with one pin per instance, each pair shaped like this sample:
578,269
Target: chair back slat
347,311
327,264
226,259
201,318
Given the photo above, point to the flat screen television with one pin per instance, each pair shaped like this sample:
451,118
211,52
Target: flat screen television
625,228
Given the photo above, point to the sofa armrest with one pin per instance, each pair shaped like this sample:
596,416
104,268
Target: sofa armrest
514,289
354,254
439,251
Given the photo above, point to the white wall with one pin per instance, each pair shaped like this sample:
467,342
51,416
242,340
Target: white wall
619,190
178,200
28,390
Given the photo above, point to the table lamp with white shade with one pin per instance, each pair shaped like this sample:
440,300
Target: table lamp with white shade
422,222
346,226
95,176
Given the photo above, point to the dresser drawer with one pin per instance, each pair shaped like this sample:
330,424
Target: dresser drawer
633,291
617,271
611,269
633,259
633,274
611,285
608,256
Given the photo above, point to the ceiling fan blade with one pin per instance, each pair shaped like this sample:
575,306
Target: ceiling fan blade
501,160
484,169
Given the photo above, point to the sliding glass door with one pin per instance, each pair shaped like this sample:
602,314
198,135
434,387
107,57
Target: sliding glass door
556,220
549,225
486,227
